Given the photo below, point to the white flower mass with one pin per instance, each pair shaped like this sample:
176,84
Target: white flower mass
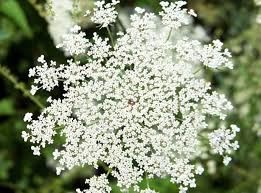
62,21
104,13
138,106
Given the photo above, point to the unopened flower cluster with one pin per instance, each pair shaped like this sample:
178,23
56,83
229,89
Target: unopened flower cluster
137,106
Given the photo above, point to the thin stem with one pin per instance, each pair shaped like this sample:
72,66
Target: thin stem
108,172
59,127
179,119
198,70
110,35
105,167
102,164
170,32
219,69
121,25
5,72
147,181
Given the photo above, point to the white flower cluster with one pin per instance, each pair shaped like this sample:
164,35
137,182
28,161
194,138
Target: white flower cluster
209,55
221,141
75,42
137,106
173,15
97,184
104,13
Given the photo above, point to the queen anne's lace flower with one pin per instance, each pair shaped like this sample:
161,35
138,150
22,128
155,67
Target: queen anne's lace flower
104,13
210,55
221,141
138,106
74,43
97,184
173,15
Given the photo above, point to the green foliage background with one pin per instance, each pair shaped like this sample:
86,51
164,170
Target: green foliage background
24,37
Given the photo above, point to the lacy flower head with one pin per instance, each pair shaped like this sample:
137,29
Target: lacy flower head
136,105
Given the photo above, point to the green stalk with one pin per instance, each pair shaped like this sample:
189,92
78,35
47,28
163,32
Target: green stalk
5,72
121,25
170,32
198,70
110,35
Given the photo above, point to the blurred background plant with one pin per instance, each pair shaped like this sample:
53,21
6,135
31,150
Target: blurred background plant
29,28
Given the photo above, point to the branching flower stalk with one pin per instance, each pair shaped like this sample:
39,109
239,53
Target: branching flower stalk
136,107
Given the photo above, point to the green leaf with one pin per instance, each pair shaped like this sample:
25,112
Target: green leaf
4,35
12,9
5,165
7,107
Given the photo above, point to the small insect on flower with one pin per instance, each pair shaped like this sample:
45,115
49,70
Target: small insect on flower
131,103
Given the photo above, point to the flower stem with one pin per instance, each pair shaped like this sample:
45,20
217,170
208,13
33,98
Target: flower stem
121,25
170,32
147,180
198,70
110,35
108,172
5,72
